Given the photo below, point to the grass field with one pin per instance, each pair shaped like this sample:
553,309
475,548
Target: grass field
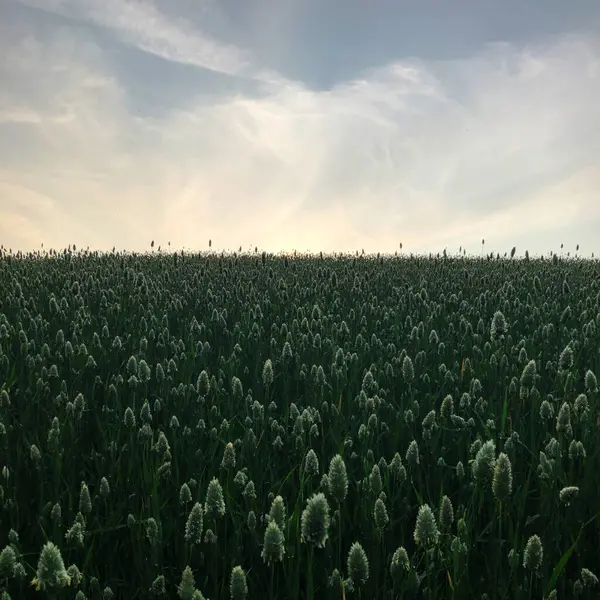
205,426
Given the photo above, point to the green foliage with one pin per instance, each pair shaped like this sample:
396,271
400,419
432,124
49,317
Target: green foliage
253,426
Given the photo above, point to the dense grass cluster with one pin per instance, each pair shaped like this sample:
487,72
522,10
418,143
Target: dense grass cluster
220,427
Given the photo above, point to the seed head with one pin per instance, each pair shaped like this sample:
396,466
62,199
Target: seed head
335,581
375,482
412,454
426,531
104,487
565,361
215,504
311,463
158,586
267,373
278,512
568,494
446,513
251,520
236,388
185,494
249,492
51,570
314,523
238,588
8,561
34,453
483,465
447,408
513,559
144,371
528,375
502,481
380,514
228,461
152,530
194,525
534,553
132,366
129,418
576,450
400,563
499,326
338,479
408,370
202,383
591,383
85,502
563,421
546,411
187,587
273,544
358,564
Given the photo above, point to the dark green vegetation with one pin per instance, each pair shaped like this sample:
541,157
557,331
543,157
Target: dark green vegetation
129,383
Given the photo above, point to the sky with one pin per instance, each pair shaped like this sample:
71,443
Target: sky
319,125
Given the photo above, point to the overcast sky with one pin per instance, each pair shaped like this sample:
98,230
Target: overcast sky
330,125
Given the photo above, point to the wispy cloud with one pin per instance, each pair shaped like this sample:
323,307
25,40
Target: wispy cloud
142,25
504,145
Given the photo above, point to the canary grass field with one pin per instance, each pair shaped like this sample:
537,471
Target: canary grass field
255,426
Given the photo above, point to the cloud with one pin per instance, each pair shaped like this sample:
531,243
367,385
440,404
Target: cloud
142,25
503,145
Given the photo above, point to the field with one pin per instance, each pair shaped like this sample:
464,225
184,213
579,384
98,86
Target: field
206,426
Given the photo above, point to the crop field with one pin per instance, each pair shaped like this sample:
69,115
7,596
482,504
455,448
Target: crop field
254,426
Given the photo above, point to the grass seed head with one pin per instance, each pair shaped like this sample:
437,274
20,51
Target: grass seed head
278,512
446,516
215,504
152,531
314,524
568,494
187,587
591,383
375,482
380,514
338,479
85,502
400,564
273,544
408,370
185,494
267,373
311,463
503,480
426,531
51,572
194,525
238,587
358,564
8,560
129,418
533,555
228,461
412,455
485,460
104,487
158,586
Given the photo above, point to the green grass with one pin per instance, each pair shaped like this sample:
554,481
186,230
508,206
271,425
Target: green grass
337,331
